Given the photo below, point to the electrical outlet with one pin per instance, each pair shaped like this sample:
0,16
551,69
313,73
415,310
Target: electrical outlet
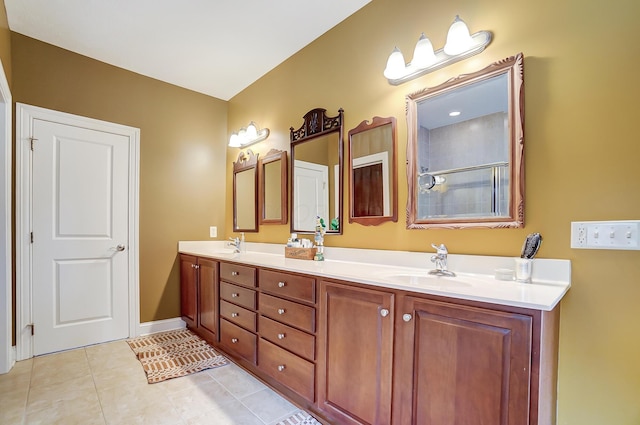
213,232
605,234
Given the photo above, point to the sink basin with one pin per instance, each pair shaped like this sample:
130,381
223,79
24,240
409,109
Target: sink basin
424,279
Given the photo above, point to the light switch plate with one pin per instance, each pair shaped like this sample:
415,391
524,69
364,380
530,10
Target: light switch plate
213,232
621,234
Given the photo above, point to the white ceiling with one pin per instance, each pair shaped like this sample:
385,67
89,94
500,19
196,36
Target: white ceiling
215,47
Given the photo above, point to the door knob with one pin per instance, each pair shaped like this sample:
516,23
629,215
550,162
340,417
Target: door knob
120,247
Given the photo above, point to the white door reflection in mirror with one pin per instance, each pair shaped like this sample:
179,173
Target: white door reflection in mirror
311,196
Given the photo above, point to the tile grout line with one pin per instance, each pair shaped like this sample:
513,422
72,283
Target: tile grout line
95,386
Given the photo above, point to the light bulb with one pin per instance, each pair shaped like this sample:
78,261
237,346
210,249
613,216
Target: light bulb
234,141
395,65
252,132
458,38
423,55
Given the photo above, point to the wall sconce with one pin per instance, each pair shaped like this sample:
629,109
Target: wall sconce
248,136
460,45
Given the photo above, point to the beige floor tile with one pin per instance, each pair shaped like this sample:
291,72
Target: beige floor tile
192,402
68,412
268,405
233,413
79,390
55,368
236,380
185,382
119,377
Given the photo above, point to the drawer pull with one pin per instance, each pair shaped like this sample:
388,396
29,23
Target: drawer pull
281,284
407,317
234,273
281,311
235,295
281,336
235,314
234,340
384,312
281,368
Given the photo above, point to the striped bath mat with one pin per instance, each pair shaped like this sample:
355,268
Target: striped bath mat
172,354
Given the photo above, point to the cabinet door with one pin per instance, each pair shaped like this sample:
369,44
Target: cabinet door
355,354
188,290
461,365
208,299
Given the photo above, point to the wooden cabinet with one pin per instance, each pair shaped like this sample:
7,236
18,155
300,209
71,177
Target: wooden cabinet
287,326
355,345
457,364
199,295
359,354
238,317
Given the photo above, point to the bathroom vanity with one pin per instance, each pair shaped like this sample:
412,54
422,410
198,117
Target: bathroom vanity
372,339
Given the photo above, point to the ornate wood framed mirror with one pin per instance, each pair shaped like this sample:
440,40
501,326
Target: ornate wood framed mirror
245,193
465,156
316,172
373,175
272,186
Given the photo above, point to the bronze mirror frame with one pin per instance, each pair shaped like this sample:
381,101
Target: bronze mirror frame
391,179
513,68
272,157
247,162
316,125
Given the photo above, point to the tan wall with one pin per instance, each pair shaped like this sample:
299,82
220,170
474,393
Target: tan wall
582,152
5,42
182,145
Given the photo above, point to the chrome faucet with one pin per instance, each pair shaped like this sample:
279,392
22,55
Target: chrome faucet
440,259
235,243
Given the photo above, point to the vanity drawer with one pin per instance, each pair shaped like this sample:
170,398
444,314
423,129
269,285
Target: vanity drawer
238,341
238,315
294,340
287,285
288,369
238,295
289,312
235,273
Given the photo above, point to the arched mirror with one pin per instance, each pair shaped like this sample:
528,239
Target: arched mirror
373,178
272,184
245,193
465,156
316,157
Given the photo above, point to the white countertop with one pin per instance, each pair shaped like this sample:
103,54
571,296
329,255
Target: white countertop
409,271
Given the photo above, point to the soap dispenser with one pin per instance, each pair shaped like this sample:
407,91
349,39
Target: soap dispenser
243,246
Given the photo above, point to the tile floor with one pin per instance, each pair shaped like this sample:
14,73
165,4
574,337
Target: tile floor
105,384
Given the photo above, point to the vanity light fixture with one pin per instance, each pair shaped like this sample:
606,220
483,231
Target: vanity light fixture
460,45
247,136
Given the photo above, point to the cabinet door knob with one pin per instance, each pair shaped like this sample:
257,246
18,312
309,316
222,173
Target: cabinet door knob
234,340
407,317
193,266
281,284
281,311
235,314
235,295
234,273
384,312
281,367
281,336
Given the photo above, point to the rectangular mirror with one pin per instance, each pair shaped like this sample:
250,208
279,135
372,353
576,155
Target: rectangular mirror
372,172
465,157
316,156
273,193
245,193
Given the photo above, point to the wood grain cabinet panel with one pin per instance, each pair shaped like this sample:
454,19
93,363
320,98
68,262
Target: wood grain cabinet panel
460,365
293,314
189,290
238,295
238,274
294,340
300,288
355,343
238,340
287,368
238,315
199,295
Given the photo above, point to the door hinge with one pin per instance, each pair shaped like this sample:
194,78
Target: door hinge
33,327
32,139
31,237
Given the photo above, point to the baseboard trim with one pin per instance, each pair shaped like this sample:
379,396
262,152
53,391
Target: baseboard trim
161,326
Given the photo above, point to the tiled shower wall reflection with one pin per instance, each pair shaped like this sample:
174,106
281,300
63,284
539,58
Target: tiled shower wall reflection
451,148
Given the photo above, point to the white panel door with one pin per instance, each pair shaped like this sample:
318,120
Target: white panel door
311,195
80,230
